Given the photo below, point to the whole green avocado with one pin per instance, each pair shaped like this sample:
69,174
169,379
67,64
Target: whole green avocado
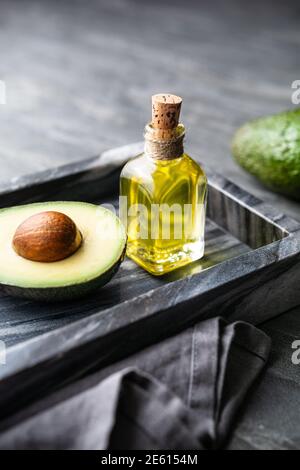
269,148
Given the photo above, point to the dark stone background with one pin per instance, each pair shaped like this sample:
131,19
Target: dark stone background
79,76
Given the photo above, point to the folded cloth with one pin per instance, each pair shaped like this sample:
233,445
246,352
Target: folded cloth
182,393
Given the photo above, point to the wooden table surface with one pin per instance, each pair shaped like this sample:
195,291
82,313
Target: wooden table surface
79,76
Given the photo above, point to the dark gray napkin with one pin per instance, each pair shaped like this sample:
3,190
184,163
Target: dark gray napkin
182,393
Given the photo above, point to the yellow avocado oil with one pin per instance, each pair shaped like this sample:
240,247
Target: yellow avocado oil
163,195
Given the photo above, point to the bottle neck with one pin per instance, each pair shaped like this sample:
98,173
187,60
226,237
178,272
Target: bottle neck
164,145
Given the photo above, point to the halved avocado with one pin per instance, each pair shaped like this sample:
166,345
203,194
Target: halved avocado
91,266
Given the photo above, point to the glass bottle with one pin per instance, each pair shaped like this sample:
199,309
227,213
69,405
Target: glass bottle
163,195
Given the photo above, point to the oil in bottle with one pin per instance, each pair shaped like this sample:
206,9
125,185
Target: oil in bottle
163,195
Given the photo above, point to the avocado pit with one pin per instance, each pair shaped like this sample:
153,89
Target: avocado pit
47,237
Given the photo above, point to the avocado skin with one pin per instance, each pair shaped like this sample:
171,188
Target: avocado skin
269,148
57,294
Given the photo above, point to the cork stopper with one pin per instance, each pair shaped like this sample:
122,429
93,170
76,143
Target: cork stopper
164,135
165,111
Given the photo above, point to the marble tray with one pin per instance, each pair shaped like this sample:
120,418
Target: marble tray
251,271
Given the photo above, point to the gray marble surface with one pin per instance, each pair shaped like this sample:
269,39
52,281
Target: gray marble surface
252,252
79,76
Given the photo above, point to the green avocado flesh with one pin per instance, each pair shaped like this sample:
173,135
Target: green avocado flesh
269,148
91,266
